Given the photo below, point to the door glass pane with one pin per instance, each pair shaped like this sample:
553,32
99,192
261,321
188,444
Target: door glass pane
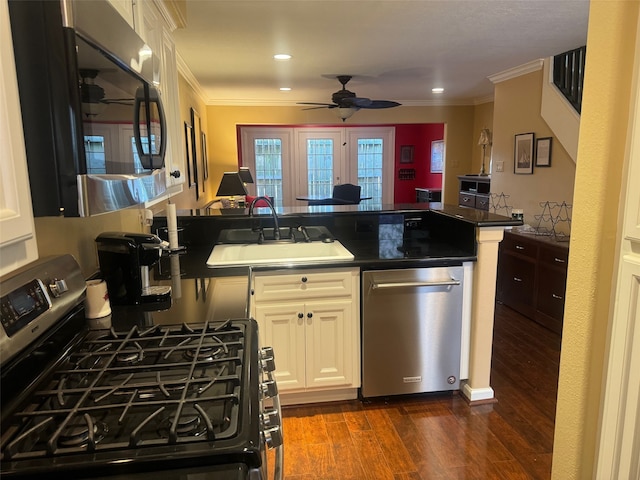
370,168
94,151
320,167
268,152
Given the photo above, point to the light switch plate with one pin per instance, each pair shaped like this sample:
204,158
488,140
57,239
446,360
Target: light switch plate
499,166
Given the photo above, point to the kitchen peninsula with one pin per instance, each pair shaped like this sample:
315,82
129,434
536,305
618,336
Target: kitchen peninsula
392,237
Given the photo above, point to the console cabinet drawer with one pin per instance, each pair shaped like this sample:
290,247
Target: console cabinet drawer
532,278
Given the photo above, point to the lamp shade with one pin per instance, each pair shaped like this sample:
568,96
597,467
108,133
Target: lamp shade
485,137
245,175
230,185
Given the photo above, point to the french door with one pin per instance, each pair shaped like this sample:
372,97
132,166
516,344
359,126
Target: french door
309,161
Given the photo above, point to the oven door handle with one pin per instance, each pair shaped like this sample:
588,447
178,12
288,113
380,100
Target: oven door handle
441,283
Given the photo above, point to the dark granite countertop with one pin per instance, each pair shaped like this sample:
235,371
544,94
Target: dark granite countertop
398,236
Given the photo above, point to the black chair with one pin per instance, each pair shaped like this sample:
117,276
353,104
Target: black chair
348,192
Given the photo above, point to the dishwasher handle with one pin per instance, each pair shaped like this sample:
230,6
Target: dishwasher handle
440,283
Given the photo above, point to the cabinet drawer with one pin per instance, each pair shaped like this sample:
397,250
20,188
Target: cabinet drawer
558,257
467,200
276,286
482,202
519,245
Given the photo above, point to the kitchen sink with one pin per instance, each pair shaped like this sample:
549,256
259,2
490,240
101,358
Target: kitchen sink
248,235
226,255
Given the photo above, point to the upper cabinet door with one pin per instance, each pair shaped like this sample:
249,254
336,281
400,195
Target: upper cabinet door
125,9
156,31
17,237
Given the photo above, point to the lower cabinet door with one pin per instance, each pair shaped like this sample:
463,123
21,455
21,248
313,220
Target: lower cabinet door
518,281
329,340
281,326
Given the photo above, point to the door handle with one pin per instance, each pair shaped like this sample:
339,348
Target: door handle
415,284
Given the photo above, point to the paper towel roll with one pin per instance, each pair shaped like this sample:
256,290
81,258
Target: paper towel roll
172,226
96,303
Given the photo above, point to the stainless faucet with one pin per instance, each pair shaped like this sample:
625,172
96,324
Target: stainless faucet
276,228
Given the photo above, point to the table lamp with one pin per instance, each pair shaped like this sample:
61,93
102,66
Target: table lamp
230,186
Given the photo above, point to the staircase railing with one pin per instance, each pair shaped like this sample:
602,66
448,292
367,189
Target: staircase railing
568,75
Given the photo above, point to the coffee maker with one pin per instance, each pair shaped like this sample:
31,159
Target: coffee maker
125,259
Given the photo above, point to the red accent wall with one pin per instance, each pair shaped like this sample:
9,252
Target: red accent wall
420,137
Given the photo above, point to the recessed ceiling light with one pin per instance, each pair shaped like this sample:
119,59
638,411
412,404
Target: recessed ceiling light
282,56
437,90
285,89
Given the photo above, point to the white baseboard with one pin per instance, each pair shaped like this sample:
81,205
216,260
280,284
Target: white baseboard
299,398
474,395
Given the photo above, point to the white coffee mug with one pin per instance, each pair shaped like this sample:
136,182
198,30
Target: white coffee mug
96,303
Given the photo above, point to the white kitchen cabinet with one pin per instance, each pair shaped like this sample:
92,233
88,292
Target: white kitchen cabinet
155,26
126,10
311,319
17,234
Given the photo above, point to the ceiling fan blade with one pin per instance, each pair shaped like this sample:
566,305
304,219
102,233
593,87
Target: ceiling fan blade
317,108
359,102
330,105
382,104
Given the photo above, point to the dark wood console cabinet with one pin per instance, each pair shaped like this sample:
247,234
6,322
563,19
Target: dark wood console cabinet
474,191
532,276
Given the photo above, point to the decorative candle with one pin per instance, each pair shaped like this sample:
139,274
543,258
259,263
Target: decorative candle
172,226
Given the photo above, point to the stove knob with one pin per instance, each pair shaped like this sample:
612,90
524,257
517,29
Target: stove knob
270,418
269,389
58,287
267,359
272,436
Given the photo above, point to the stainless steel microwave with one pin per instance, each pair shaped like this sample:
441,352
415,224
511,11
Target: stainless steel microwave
94,126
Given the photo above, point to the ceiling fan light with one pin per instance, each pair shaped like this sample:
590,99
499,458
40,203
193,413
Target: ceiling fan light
345,113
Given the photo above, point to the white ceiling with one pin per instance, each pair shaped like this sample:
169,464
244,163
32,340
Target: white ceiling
395,49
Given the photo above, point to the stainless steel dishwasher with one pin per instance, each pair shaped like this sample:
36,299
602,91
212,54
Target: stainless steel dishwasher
411,330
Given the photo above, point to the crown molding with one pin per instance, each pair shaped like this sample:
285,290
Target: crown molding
185,71
514,72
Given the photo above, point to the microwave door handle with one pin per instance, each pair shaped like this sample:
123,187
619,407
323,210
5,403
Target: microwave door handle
154,96
149,95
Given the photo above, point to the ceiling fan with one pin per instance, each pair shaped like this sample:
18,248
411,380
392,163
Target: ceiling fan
92,95
348,103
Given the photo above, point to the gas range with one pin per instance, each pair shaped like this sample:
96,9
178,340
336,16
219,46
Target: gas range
132,400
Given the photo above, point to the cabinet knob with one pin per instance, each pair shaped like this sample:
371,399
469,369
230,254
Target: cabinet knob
517,279
309,314
557,297
304,279
519,247
559,260
175,174
300,315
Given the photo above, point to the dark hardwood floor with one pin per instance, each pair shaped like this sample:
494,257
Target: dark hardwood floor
440,436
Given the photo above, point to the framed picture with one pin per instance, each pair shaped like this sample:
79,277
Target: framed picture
205,159
406,154
187,143
543,152
523,153
196,152
437,154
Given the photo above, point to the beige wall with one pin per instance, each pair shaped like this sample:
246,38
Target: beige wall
601,149
459,131
59,235
517,110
